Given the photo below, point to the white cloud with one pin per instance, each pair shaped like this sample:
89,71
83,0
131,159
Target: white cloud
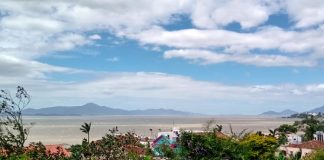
248,13
11,67
208,57
32,29
113,59
95,37
306,13
179,92
264,39
33,44
305,45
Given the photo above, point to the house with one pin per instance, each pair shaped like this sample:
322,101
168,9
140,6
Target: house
160,142
319,136
304,148
167,139
172,135
294,138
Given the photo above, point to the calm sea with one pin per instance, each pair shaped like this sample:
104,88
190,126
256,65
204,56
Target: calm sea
66,129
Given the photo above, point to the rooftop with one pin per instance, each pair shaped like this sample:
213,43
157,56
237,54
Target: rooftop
308,145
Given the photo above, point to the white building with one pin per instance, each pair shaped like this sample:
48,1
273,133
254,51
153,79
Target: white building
319,136
294,139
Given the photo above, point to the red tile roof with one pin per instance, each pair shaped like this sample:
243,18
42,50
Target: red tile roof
50,149
308,145
54,149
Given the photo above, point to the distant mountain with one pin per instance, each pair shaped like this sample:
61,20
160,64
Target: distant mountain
317,110
286,112
267,113
94,109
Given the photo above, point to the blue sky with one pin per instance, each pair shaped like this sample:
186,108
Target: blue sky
214,57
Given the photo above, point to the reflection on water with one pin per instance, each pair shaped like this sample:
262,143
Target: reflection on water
65,129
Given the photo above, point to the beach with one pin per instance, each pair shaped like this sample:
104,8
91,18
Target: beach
66,129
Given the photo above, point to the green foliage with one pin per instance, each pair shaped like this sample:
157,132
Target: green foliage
36,151
286,128
299,115
13,133
240,147
273,133
259,146
166,151
209,146
148,150
310,120
85,128
282,139
312,125
317,155
111,146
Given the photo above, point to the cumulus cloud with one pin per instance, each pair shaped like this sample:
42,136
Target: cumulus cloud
302,44
32,30
19,68
208,57
264,39
248,13
32,44
306,13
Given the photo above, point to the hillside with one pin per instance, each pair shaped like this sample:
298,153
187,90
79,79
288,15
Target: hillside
286,112
317,110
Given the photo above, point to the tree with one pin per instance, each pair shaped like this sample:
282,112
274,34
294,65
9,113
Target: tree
219,128
273,132
286,128
312,125
310,120
13,133
259,146
211,125
85,128
111,146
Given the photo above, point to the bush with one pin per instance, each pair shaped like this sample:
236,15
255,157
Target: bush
111,146
259,146
316,155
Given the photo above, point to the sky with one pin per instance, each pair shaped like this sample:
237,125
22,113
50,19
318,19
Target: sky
204,56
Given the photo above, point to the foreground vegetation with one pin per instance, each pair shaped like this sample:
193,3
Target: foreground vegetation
209,145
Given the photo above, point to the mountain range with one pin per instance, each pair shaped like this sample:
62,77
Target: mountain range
95,109
289,112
